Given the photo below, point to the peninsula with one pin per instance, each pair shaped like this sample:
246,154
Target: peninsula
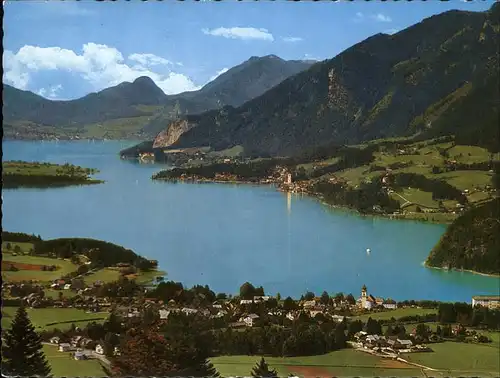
405,178
21,174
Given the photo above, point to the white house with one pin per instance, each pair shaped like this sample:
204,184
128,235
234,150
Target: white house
220,314
250,320
246,301
164,313
490,301
79,356
99,349
64,347
291,316
189,311
261,298
390,304
309,304
54,340
338,318
366,301
67,286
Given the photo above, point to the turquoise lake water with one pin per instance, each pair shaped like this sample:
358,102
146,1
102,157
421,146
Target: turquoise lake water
224,235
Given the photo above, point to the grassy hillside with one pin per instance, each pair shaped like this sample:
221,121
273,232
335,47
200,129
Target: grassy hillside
17,174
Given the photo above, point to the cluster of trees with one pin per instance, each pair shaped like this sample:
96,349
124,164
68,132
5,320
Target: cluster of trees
24,290
349,157
248,291
412,319
472,241
250,171
197,295
422,303
299,340
20,237
369,197
17,180
440,189
99,252
481,166
121,288
464,314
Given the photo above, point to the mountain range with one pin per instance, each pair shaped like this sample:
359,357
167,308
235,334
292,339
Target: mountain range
437,77
139,108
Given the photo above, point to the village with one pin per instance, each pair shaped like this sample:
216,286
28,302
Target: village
235,313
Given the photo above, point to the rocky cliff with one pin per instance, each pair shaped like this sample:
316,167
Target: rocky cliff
170,135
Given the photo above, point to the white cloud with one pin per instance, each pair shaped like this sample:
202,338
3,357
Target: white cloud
292,39
240,33
311,57
149,59
217,74
379,17
50,92
391,31
102,66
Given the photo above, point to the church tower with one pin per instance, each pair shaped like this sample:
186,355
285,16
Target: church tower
363,296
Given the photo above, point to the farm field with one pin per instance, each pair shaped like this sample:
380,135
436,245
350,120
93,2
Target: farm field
345,362
113,274
63,365
30,268
54,294
420,159
460,358
62,317
24,247
115,128
398,313
104,275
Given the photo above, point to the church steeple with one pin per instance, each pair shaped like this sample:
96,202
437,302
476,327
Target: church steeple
363,291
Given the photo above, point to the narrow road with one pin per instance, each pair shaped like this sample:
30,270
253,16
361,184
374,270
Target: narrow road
400,196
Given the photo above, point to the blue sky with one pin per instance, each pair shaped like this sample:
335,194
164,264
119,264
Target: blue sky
64,50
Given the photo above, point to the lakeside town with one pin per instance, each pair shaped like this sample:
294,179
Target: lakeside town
372,325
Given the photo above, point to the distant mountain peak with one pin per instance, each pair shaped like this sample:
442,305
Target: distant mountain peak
144,80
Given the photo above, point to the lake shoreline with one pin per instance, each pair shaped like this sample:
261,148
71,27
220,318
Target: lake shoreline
461,270
8,186
309,243
315,196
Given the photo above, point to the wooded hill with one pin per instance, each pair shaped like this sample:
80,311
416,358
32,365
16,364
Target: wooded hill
471,242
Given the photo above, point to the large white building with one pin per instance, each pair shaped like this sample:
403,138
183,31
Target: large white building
366,301
490,301
369,301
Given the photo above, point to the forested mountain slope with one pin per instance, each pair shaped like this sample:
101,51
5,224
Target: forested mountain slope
413,82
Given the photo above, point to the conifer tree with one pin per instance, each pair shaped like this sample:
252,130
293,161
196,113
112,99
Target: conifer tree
22,352
262,370
205,369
